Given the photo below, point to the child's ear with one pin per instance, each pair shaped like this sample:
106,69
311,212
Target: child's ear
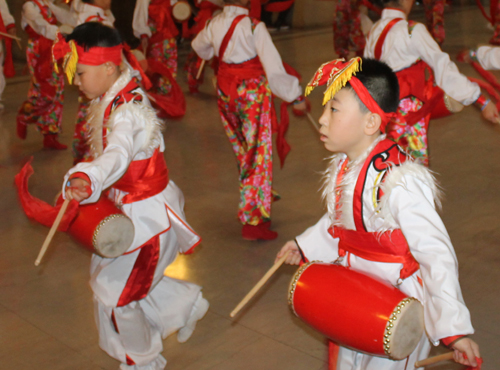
110,68
373,122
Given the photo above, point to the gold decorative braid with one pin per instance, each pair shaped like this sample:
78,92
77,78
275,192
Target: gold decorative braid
101,224
390,324
293,283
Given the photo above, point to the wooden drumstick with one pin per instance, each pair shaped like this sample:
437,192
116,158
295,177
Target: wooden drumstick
435,359
259,285
311,119
202,65
12,37
52,231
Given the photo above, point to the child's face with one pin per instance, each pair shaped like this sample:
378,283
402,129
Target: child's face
94,81
343,125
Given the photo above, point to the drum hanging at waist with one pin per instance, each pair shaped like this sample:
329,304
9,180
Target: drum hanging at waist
356,311
181,11
103,229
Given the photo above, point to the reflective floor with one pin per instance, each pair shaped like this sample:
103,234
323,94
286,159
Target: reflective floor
46,312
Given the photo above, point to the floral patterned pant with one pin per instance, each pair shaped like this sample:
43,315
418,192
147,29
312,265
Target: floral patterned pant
347,33
411,138
165,52
80,147
434,16
44,105
247,122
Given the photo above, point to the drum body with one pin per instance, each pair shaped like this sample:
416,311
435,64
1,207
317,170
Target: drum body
103,229
357,311
445,105
181,11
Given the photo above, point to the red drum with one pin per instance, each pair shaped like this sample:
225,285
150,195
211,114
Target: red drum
357,311
103,229
445,106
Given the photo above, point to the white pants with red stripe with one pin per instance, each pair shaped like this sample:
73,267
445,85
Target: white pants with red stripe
133,334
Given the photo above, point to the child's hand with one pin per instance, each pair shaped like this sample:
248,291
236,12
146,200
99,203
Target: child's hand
77,189
468,347
464,56
300,106
490,113
294,256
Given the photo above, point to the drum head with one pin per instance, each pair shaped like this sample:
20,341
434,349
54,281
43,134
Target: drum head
114,236
407,329
181,11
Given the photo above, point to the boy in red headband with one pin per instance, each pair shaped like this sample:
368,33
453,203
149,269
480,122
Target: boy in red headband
250,71
377,194
430,84
136,305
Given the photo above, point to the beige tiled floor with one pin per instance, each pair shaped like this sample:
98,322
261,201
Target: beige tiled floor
46,313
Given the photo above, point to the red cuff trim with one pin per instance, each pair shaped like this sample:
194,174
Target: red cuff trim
12,25
448,341
144,36
480,101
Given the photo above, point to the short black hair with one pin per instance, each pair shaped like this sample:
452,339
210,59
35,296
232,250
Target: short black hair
92,34
381,82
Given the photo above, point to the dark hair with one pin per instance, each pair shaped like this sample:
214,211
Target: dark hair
88,1
381,82
91,34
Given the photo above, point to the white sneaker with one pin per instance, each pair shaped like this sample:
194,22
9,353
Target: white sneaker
199,310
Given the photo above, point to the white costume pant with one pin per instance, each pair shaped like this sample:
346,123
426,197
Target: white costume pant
352,360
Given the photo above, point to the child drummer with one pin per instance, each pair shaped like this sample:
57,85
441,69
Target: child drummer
135,305
381,217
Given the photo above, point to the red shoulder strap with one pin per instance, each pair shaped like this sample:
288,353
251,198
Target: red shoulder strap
43,11
383,35
386,154
229,34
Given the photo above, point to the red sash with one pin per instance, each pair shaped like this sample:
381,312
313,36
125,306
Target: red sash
8,65
383,35
389,246
159,13
144,178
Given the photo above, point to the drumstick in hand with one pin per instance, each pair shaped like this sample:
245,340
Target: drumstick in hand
259,285
435,359
52,231
311,119
202,65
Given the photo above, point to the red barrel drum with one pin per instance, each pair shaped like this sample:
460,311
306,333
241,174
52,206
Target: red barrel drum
103,229
357,311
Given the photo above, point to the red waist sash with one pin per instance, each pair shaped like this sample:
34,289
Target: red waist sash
144,178
389,247
230,75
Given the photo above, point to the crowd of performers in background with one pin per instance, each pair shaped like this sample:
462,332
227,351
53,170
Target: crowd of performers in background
229,37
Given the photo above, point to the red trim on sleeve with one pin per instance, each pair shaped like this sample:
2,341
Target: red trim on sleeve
448,341
10,26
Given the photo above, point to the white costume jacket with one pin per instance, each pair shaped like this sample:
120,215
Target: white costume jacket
81,12
402,49
131,329
407,203
489,57
33,17
245,45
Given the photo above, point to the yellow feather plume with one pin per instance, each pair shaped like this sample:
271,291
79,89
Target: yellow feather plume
70,62
339,79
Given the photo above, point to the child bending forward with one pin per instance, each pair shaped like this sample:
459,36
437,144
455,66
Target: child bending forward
135,304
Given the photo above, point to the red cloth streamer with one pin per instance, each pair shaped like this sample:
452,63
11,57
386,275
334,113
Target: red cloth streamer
255,8
292,71
488,76
483,11
371,6
489,89
172,105
132,60
37,209
479,361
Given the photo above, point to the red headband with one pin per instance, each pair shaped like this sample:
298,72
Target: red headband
71,54
336,74
370,103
